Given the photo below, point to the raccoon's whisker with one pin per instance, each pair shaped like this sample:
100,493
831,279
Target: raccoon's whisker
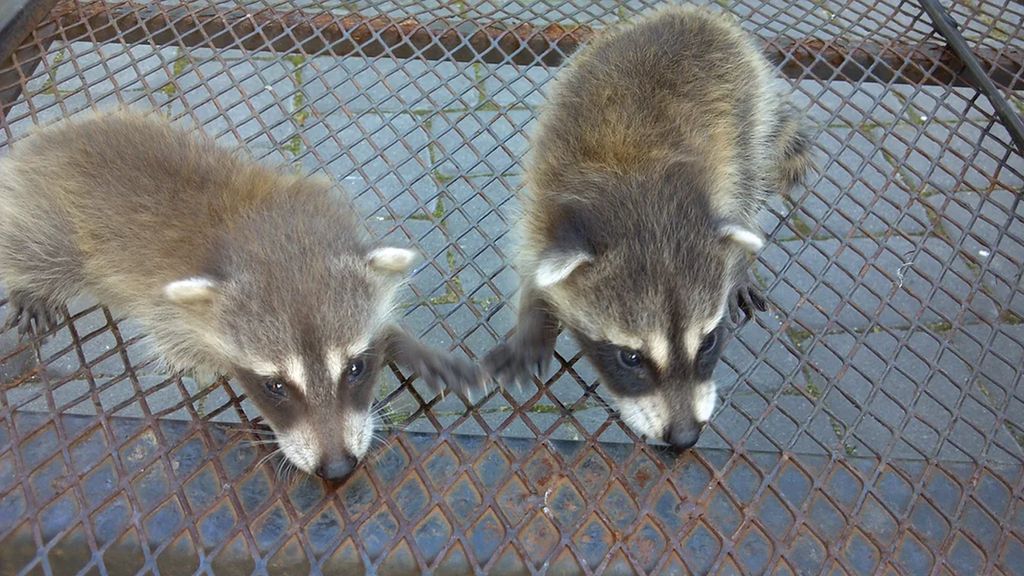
381,451
289,473
257,433
382,419
263,437
383,409
379,437
375,458
383,448
392,426
254,430
281,466
268,457
253,443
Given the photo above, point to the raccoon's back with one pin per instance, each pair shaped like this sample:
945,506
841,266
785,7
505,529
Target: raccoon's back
141,199
127,167
683,82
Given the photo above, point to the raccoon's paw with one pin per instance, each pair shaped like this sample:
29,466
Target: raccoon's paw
440,371
745,301
447,372
517,360
30,315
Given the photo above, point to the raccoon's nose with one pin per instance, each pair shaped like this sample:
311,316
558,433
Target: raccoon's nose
336,469
682,437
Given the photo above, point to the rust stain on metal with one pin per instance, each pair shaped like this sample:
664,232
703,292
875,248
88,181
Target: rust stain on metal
522,43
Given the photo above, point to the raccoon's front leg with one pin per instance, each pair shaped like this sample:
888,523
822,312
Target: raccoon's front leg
438,369
530,348
794,156
746,300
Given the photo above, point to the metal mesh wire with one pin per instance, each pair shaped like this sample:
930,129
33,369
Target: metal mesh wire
872,423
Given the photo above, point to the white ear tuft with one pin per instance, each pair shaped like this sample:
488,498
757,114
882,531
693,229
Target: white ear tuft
553,268
389,259
191,290
745,237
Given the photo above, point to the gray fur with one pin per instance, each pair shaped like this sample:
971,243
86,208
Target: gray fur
120,206
660,142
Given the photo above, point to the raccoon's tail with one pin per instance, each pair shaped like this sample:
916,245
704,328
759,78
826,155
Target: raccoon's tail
794,156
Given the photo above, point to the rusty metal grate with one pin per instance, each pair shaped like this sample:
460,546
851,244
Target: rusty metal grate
873,424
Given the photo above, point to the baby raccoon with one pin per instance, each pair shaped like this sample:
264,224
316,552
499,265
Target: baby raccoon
660,142
230,266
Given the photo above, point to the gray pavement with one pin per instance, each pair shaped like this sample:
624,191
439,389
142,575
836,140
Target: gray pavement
895,273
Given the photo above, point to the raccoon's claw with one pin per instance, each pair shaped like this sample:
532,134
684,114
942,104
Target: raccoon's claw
515,360
529,350
446,372
745,302
500,363
438,370
30,315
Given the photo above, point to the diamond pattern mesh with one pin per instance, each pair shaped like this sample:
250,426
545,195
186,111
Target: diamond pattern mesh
872,423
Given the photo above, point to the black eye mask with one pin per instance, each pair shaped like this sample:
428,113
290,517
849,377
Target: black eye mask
627,372
630,373
709,352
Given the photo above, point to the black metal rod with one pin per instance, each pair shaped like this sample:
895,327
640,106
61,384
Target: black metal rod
17,19
947,26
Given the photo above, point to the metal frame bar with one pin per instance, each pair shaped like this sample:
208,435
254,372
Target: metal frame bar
18,19
947,26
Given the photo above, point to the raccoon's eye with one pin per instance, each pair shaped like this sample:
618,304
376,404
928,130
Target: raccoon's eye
275,386
708,344
630,358
355,368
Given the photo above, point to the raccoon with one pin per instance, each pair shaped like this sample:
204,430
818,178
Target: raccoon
230,266
658,145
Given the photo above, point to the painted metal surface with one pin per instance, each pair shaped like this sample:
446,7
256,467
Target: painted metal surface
872,423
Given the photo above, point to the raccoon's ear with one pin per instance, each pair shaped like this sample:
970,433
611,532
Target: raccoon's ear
196,290
742,236
391,260
572,236
554,266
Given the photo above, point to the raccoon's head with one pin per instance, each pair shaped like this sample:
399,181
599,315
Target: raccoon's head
302,319
644,289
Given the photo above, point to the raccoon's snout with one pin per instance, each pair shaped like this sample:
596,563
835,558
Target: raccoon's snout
682,437
338,468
